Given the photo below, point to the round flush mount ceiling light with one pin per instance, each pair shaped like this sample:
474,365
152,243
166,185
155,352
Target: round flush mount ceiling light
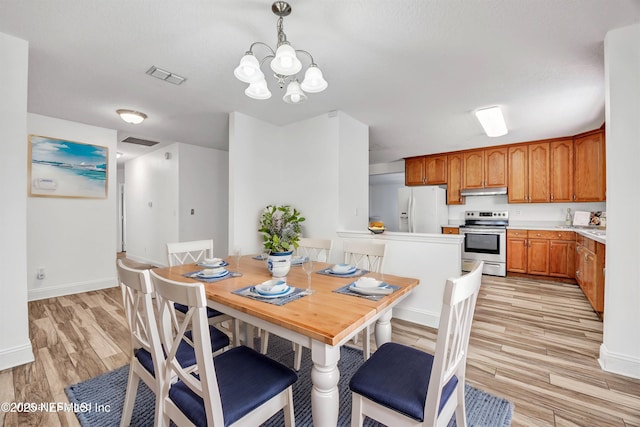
131,116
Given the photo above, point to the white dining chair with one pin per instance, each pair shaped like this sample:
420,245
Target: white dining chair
369,256
147,358
179,253
239,387
316,249
403,386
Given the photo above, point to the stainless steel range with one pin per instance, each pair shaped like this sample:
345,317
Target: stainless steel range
485,240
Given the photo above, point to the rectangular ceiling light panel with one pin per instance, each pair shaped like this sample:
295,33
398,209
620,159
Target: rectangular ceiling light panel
492,121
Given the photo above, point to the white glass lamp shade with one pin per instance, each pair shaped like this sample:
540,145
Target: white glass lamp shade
313,81
249,70
258,90
286,62
294,94
131,116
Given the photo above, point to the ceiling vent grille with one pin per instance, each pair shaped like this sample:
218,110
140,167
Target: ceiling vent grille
138,141
165,75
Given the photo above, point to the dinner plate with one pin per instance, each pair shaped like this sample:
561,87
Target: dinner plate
202,275
383,289
343,269
354,271
287,292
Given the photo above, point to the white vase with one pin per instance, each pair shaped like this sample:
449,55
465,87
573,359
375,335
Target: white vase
279,263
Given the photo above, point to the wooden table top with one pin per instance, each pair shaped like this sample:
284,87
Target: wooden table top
324,316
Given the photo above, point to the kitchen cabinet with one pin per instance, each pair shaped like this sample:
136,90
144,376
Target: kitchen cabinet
426,170
562,158
541,253
541,172
590,167
485,168
454,179
450,230
590,264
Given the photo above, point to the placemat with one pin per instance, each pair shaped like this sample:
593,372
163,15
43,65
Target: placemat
345,290
327,271
192,275
246,292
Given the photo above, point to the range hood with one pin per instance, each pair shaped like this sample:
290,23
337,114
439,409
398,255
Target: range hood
484,191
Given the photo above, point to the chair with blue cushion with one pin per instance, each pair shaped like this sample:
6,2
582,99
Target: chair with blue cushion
147,356
239,387
179,253
404,386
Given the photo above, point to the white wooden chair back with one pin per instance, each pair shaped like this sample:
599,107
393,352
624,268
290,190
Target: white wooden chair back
316,249
173,331
367,255
188,252
450,358
137,293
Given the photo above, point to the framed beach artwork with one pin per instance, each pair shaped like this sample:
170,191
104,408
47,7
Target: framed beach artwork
61,168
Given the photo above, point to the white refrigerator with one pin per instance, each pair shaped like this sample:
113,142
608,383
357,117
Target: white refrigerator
422,209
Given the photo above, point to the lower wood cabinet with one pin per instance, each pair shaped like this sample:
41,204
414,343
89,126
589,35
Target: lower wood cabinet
541,253
450,230
590,264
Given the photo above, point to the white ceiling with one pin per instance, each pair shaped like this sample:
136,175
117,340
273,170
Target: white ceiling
413,70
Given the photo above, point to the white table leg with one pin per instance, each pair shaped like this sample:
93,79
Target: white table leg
325,400
383,328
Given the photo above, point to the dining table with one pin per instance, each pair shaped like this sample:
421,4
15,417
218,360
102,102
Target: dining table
322,321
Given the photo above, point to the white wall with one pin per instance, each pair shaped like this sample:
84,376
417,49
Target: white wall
620,351
316,165
73,239
161,189
204,187
15,347
522,212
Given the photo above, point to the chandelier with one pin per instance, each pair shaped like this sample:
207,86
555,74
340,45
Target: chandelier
285,64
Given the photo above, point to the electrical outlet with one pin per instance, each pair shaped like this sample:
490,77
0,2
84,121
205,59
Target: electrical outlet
40,273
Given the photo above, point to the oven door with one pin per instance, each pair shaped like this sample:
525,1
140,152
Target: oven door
485,245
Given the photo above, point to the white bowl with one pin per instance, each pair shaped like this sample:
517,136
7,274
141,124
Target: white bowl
342,268
367,282
271,287
212,260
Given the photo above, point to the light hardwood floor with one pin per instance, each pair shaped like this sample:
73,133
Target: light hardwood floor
535,343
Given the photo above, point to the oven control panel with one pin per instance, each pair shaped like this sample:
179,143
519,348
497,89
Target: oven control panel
486,215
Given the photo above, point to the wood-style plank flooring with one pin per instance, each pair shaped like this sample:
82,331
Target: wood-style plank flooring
535,343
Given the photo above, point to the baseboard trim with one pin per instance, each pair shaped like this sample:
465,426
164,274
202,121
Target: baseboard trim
416,316
617,363
71,288
16,356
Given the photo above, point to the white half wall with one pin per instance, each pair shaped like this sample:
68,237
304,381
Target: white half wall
15,346
319,166
620,350
74,240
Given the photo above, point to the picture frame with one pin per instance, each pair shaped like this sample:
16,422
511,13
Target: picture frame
63,168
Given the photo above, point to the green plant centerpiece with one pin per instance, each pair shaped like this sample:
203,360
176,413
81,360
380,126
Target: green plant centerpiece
280,228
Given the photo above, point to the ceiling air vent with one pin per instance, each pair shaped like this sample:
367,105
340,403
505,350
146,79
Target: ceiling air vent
138,141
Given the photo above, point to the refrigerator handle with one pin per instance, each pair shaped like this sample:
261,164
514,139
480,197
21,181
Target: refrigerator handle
410,221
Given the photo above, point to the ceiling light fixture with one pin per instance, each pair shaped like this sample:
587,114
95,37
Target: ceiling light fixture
132,116
285,64
492,121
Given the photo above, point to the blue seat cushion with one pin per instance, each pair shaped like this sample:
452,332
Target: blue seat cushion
185,354
210,311
246,380
397,376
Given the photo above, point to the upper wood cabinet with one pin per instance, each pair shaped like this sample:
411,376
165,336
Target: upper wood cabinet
518,174
485,168
561,182
454,179
426,170
539,170
590,167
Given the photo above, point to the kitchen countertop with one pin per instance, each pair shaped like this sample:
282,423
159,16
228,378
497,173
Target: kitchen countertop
594,233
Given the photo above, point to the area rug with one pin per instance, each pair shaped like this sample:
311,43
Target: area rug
101,398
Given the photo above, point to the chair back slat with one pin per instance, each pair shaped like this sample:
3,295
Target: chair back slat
172,332
454,328
367,255
179,253
315,249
